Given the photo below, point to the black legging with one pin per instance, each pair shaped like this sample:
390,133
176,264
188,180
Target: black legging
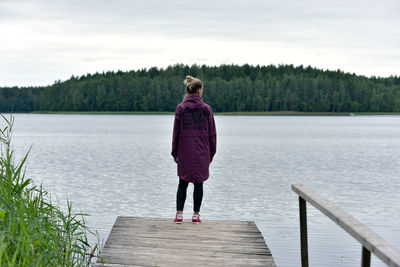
181,195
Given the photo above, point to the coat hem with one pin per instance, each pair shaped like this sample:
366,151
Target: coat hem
194,180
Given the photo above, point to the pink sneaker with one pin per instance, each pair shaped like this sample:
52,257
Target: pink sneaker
196,218
178,218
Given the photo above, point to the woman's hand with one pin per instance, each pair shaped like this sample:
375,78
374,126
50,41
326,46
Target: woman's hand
176,160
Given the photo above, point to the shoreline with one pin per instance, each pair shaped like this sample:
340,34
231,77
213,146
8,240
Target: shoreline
239,113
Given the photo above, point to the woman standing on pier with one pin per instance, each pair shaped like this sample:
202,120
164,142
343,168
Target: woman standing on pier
193,145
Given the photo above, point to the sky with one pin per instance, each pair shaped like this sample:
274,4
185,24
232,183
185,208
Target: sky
42,41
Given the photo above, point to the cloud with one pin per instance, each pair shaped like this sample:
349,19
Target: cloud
54,39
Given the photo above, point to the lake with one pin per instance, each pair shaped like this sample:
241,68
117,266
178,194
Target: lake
110,165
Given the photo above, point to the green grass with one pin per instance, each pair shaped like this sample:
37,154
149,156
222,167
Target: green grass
376,113
33,230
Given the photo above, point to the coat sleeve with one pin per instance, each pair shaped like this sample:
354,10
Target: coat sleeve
176,132
212,135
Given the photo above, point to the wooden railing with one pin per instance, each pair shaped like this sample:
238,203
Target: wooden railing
370,241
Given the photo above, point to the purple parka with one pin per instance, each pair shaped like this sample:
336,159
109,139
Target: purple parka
194,139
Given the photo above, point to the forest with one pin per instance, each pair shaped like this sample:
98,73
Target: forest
227,88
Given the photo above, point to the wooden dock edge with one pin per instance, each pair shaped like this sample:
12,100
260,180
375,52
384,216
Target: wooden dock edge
140,241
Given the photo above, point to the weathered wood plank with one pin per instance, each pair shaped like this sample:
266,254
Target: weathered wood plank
179,259
205,226
195,234
159,242
186,245
190,248
369,239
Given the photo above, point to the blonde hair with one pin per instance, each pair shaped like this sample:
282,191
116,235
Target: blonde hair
192,84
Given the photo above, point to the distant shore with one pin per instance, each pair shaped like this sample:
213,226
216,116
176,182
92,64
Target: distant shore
244,113
106,112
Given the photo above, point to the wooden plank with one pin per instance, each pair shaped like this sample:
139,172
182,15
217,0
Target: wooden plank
205,225
178,259
182,245
367,238
215,249
135,241
195,234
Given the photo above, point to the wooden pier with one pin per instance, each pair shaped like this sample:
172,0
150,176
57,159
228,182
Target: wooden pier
136,241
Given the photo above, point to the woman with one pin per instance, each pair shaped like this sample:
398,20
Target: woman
193,145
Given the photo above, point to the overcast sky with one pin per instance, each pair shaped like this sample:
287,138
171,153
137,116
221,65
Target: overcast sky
45,40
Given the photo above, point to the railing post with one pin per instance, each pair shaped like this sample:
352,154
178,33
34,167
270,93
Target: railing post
303,232
365,257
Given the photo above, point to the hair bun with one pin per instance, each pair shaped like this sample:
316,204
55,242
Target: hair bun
188,79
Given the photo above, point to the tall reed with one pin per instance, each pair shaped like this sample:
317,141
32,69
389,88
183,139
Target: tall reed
33,230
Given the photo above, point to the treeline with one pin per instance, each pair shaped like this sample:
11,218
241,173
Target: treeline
24,99
228,88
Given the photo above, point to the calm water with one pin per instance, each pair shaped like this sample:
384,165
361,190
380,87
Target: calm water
110,165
